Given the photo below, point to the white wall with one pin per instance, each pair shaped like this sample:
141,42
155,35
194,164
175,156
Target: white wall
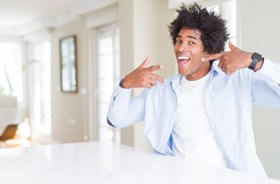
143,26
74,115
260,30
69,110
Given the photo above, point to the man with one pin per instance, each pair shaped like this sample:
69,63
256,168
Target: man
204,112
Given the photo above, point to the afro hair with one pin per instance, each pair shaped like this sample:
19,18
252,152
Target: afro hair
212,27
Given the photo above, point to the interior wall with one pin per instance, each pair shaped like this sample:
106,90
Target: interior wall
259,32
126,19
69,110
95,20
146,43
143,26
74,115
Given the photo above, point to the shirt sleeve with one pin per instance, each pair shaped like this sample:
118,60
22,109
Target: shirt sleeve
266,89
125,110
271,69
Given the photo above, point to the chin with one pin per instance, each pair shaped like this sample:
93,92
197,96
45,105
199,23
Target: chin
182,72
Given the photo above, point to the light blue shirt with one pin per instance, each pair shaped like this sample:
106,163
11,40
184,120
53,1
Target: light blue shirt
229,100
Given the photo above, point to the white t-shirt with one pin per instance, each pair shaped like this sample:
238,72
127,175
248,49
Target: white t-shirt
192,134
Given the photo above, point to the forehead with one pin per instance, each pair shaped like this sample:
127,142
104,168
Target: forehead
189,33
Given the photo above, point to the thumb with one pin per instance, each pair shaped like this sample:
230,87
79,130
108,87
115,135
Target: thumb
145,62
231,46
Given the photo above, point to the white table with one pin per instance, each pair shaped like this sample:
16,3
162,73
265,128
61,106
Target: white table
105,163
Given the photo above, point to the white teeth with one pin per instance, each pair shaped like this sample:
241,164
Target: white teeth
184,57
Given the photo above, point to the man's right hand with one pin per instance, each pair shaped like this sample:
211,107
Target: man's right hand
142,76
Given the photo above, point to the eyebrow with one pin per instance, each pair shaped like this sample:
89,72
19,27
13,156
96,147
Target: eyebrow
188,36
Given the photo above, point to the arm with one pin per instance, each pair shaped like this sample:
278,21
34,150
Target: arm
266,80
265,86
271,69
125,111
237,59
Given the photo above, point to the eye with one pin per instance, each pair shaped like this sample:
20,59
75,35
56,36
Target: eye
177,42
191,42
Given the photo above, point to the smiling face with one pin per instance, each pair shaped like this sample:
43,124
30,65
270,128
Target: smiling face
189,52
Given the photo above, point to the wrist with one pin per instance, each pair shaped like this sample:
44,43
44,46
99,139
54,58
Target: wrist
259,65
256,61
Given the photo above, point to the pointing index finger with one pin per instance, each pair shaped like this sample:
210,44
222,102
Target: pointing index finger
158,78
216,56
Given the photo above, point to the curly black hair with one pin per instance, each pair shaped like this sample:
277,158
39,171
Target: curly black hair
212,26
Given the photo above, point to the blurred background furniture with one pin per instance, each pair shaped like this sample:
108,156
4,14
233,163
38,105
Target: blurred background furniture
16,135
9,132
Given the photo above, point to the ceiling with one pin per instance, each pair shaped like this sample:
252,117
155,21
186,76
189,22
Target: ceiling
15,14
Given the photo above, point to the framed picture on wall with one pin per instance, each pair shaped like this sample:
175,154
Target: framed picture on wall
68,64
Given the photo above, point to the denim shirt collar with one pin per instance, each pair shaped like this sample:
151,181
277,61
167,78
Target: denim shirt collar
215,71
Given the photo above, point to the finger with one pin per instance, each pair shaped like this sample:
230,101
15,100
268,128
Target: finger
220,64
158,78
145,62
231,46
231,72
215,56
155,67
227,69
149,84
153,82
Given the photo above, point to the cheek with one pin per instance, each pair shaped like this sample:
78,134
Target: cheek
197,59
198,55
175,49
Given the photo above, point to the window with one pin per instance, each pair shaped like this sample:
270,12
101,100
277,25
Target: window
39,86
108,76
227,8
230,15
11,70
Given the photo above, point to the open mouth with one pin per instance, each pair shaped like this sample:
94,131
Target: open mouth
183,59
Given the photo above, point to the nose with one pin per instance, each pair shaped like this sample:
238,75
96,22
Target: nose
182,47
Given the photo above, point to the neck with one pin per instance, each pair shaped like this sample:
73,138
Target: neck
199,75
